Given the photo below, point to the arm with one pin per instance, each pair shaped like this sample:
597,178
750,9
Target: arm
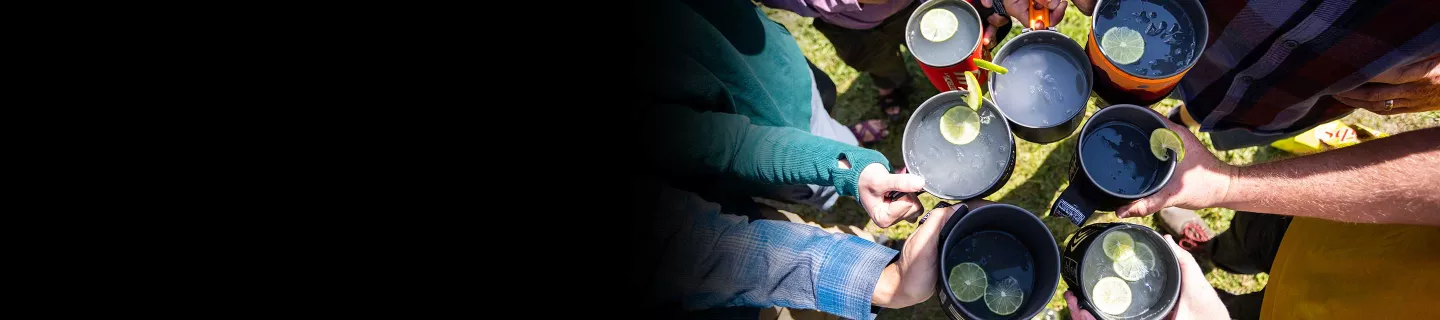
714,260
690,141
1393,180
773,155
718,260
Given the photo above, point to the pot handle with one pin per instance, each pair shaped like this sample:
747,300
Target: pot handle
1039,16
954,217
1072,205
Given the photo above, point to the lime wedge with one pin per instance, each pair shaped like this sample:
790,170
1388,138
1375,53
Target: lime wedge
987,65
1123,45
973,85
960,125
1111,295
1165,139
1005,296
968,282
938,25
1134,267
1118,245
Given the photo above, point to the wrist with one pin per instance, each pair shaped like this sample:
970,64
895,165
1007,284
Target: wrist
1227,183
886,286
847,180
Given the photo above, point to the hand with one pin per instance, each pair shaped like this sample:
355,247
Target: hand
992,32
1198,299
1076,313
911,280
875,183
1200,181
1086,7
1414,88
1017,9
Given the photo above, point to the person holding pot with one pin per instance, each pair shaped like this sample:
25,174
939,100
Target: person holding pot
1348,233
1197,297
733,107
737,115
711,259
867,35
1273,69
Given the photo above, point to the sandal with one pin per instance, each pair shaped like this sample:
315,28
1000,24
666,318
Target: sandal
897,99
869,132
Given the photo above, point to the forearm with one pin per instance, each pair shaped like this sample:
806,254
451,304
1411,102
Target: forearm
730,144
1393,180
726,260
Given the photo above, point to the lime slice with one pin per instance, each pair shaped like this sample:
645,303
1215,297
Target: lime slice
960,125
974,99
968,282
938,25
1118,245
1162,139
1123,45
1111,295
1134,267
987,65
1004,297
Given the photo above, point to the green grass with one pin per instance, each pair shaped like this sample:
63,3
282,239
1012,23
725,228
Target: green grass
1040,170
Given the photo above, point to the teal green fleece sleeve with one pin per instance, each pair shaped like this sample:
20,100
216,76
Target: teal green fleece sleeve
730,144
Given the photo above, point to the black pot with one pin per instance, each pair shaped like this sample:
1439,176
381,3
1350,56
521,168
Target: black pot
1074,272
1021,224
1073,94
942,163
1083,197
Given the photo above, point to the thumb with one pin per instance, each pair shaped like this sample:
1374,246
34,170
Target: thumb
1075,311
1190,271
1057,11
1186,260
989,37
988,3
1139,208
903,183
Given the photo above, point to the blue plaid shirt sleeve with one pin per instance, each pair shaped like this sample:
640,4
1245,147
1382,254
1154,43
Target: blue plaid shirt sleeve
731,261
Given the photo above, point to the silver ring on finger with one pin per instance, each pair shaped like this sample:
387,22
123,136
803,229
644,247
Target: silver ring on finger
1389,104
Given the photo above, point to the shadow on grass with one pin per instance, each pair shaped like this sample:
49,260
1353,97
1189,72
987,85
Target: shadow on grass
1050,177
858,103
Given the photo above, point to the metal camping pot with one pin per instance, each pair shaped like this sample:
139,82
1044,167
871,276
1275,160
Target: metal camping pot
1045,93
